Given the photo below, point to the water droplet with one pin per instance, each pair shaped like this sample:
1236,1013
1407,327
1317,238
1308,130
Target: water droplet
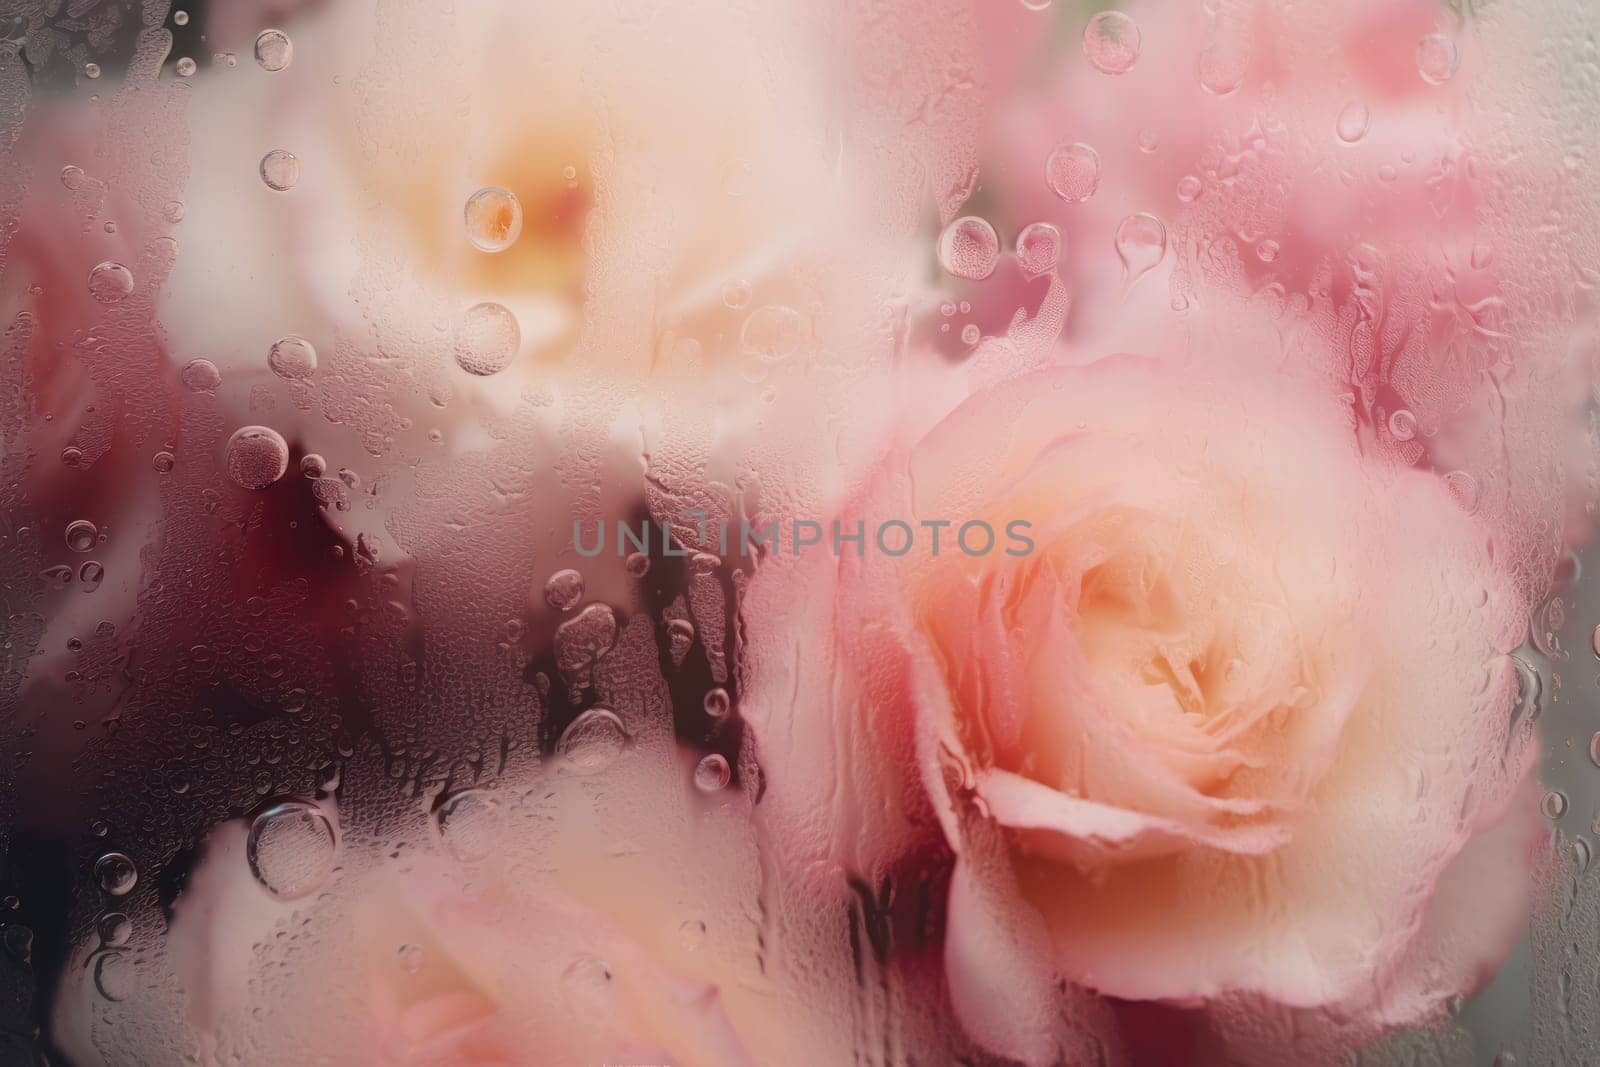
1038,248
712,773
110,282
116,873
692,934
1351,124
113,975
772,332
257,456
114,928
467,822
1506,1058
1436,58
592,741
1141,241
487,339
586,985
1554,804
163,462
200,376
1036,5
1582,854
969,248
970,334
494,219
1267,251
291,848
1073,172
280,169
292,357
1463,488
1112,40
91,70
274,50
637,565
185,67
736,294
1222,69
564,590
313,465
1402,424
180,18
90,575
1189,188
717,703
81,535
1149,140
411,958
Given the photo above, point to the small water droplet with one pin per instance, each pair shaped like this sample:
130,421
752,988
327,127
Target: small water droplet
717,703
113,975
1554,804
970,334
1038,248
280,169
110,282
200,376
1073,172
291,849
1352,122
1189,188
116,873
313,465
1141,241
91,70
1436,58
81,535
411,958
494,219
712,773
692,934
163,462
1112,41
969,248
1402,424
292,357
637,565
256,456
564,590
90,575
1149,140
274,50
487,339
1222,69
592,741
736,294
180,18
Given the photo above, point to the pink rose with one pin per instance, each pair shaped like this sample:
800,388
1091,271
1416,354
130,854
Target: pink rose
1239,724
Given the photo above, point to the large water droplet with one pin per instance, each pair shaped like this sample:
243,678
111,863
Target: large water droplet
291,849
592,741
280,169
116,873
712,773
1141,241
1073,172
487,339
274,50
494,219
81,535
564,590
292,357
1436,58
969,248
1038,248
1351,125
772,332
467,822
110,282
1112,40
200,376
257,456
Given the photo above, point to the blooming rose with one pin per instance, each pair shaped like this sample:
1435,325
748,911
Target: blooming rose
1240,724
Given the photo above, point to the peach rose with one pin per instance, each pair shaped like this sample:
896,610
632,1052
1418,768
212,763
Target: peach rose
1239,724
